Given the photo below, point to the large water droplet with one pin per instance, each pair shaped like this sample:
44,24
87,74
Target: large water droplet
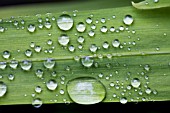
86,90
63,40
49,63
65,22
26,65
81,27
128,20
31,28
37,102
3,89
135,82
51,85
87,61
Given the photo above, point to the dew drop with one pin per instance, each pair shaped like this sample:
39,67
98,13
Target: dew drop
39,73
93,48
3,89
123,100
47,24
100,75
87,61
112,29
38,89
105,45
63,39
61,91
26,65
147,67
93,26
32,45
103,20
71,48
49,63
13,64
116,43
3,65
89,20
28,53
128,20
148,91
51,85
2,29
156,1
91,33
37,49
37,102
103,29
86,90
49,42
31,28
11,77
135,82
65,22
6,54
81,27
80,39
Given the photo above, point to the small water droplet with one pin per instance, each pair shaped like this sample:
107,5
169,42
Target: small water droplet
121,28
63,39
123,100
11,77
26,65
65,22
3,89
156,1
148,91
147,67
13,64
40,20
103,29
87,61
135,82
112,84
103,20
31,28
37,102
2,29
93,48
89,20
3,65
128,20
71,48
85,90
105,45
116,43
38,89
49,63
62,92
81,27
32,45
112,29
47,24
39,73
6,54
93,26
51,85
37,49
80,39
100,75
28,53
91,33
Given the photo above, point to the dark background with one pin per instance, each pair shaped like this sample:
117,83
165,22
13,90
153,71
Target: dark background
141,107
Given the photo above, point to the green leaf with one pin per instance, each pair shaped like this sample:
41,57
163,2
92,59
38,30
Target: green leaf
151,4
133,68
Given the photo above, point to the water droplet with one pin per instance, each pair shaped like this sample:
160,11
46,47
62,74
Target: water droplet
103,20
49,42
105,45
3,65
128,20
65,22
156,1
49,63
93,48
39,73
103,29
80,39
28,53
71,48
89,20
26,65
123,100
63,40
38,89
11,77
147,67
51,85
81,27
32,45
37,102
2,29
112,29
121,28
13,64
87,61
148,91
116,43
31,28
135,82
47,24
85,91
100,75
61,91
91,33
6,54
93,27
3,89
37,49
112,84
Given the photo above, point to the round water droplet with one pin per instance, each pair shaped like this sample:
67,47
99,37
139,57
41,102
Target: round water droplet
38,89
63,40
147,67
2,29
39,73
100,75
135,82
86,90
87,61
81,27
49,63
80,39
89,20
148,91
103,29
62,92
105,45
91,33
3,65
26,65
47,24
28,53
6,54
37,102
31,28
65,22
71,48
93,48
11,77
156,1
37,49
128,20
123,100
116,43
103,20
3,89
13,64
51,85
49,42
